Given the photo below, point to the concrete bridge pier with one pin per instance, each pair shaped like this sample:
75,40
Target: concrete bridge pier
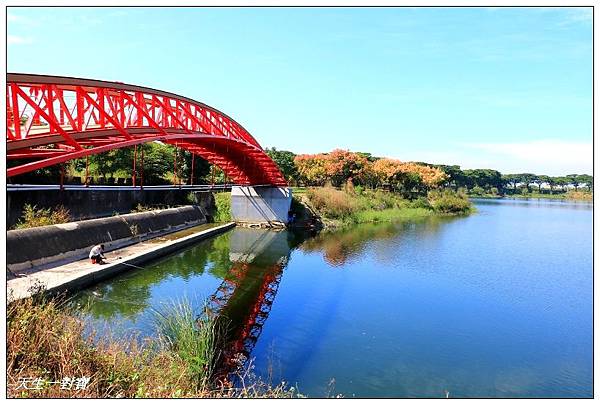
260,204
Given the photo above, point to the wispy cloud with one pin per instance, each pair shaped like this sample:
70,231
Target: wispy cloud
544,156
17,40
15,19
118,13
65,20
577,15
551,157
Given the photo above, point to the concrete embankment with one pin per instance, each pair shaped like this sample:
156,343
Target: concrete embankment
94,203
77,275
52,245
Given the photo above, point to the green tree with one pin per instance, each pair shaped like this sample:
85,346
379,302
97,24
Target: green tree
407,182
552,183
456,177
112,162
526,179
285,161
587,180
158,162
573,180
511,180
201,168
539,180
562,182
368,156
484,178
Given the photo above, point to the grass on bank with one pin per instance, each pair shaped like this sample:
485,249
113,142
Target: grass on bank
579,195
360,206
193,339
34,216
45,340
222,207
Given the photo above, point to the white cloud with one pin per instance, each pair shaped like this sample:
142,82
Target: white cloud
578,15
15,39
18,19
546,156
551,157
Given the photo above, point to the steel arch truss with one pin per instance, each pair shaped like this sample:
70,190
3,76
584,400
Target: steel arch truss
52,119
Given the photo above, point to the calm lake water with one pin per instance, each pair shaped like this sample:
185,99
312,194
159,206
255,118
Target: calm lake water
497,304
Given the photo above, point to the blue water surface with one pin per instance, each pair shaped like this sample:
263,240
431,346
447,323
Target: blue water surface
496,304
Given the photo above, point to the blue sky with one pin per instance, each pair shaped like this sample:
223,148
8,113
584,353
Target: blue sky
502,88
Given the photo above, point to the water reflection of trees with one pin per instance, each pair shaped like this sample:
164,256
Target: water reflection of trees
129,294
342,246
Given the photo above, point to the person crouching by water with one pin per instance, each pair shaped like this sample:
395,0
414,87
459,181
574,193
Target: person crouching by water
96,254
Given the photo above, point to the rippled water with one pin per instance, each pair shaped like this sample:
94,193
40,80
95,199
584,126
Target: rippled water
497,304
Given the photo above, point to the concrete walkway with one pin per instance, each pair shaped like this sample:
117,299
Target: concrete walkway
82,273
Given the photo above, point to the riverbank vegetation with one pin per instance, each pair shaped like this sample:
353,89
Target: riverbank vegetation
579,195
34,216
49,356
222,207
356,205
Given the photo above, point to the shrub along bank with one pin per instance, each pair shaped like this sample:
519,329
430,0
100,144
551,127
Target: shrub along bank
357,205
222,207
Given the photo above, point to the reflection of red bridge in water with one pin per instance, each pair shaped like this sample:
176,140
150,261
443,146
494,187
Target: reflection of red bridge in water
244,319
53,119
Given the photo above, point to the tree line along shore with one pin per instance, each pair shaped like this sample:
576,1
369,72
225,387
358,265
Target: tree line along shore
166,164
360,187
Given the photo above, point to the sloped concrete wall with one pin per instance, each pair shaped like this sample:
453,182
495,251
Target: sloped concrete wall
26,248
260,204
88,204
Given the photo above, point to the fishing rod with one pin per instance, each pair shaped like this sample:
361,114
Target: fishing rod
131,265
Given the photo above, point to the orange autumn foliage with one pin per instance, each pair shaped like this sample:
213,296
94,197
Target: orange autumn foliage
388,170
339,166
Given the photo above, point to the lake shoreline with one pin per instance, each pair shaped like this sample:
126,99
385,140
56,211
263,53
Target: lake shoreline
551,197
387,287
329,209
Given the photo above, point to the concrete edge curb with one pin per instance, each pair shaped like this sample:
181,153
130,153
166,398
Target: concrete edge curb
119,266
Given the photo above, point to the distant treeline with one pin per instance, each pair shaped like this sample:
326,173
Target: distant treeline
163,164
339,166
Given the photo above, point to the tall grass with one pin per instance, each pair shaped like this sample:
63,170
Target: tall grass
46,340
194,339
361,206
332,203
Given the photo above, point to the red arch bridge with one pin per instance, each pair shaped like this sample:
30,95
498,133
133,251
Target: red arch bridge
53,119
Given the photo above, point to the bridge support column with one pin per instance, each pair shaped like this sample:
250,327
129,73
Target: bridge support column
260,204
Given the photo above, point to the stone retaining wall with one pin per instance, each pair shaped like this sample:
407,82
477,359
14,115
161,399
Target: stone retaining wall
88,204
33,247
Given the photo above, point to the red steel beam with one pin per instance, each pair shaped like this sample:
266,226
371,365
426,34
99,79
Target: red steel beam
103,115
